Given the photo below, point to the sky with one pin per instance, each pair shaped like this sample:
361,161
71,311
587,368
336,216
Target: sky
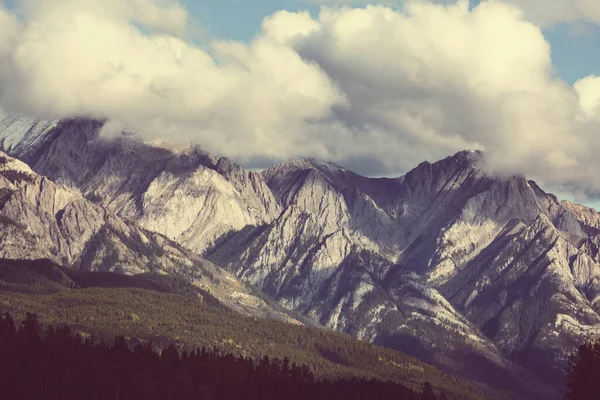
375,86
574,45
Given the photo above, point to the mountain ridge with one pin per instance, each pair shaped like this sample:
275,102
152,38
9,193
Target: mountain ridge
42,220
473,272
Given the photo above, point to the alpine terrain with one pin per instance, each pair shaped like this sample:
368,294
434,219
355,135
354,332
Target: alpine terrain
487,277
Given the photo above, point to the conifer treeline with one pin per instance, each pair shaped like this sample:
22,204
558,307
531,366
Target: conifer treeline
583,373
55,364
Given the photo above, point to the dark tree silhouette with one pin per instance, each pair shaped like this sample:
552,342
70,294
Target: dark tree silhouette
427,392
56,363
583,373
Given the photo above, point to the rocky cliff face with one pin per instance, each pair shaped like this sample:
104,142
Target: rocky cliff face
39,219
187,195
468,271
475,273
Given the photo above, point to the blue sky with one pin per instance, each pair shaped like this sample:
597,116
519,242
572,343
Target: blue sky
574,54
239,19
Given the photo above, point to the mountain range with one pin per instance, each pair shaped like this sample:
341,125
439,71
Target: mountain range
487,277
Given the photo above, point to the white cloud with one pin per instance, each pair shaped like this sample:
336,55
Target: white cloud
550,12
88,59
588,90
156,15
542,12
373,88
11,30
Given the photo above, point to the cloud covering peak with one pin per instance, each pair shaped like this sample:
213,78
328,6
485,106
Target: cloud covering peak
373,88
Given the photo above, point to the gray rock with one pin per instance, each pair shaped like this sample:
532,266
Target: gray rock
40,219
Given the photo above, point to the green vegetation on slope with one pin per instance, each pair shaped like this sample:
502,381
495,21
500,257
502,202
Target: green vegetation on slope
56,365
188,320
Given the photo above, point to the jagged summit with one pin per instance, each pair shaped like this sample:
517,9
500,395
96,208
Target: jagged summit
464,158
300,169
310,163
470,156
466,270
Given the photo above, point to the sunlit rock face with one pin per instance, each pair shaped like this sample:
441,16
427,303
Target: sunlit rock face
41,219
475,273
185,194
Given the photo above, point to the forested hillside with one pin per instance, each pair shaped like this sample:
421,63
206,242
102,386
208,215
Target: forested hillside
55,364
168,312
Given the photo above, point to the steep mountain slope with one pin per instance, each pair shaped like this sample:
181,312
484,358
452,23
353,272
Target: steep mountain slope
499,271
39,219
475,273
188,195
354,256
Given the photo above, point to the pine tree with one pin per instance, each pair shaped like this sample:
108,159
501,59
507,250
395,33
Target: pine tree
427,392
583,371
63,367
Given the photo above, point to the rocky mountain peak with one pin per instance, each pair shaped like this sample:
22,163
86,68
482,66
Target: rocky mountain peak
297,170
304,163
447,263
587,215
189,159
472,157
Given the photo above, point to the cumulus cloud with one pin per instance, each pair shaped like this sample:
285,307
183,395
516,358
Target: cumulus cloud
375,88
88,58
156,15
446,78
541,12
588,90
550,12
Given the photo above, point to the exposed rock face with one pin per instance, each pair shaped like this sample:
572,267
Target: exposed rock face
446,263
39,219
475,273
188,195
